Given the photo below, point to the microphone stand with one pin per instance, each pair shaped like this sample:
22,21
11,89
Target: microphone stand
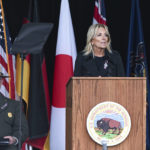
22,56
104,145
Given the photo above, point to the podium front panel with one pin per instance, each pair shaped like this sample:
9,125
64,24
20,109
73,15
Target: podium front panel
85,93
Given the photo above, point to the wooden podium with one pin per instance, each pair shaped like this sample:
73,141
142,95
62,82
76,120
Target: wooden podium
83,93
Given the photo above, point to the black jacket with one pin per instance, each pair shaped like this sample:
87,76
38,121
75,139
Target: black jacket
9,120
86,65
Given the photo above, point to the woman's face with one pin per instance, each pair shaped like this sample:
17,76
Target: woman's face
101,39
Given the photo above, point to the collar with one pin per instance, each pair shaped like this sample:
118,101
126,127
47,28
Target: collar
3,103
107,55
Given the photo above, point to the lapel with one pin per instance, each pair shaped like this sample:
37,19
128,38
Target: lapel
91,64
3,103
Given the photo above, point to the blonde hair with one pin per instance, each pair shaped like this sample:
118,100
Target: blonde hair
91,34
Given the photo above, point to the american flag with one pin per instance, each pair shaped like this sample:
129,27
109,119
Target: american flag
7,61
99,12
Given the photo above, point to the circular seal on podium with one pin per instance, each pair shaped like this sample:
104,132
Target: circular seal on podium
108,122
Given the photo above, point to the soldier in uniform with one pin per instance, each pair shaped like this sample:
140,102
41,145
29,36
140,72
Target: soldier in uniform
10,122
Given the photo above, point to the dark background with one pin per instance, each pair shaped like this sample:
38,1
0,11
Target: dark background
117,15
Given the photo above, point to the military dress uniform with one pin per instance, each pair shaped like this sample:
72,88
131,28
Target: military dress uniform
9,121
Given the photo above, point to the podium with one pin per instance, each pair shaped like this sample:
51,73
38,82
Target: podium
83,93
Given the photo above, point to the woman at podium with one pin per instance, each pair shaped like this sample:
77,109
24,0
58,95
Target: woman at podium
97,58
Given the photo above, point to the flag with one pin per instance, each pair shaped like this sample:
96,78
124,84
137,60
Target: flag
39,102
136,59
99,12
63,71
35,91
7,61
38,112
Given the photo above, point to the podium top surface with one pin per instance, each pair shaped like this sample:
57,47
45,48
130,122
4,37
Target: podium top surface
108,78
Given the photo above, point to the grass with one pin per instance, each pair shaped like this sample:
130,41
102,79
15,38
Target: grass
109,134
